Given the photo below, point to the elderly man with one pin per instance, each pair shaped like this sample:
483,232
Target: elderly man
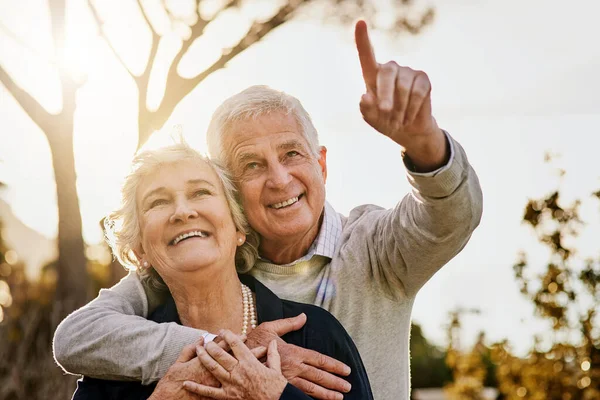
366,268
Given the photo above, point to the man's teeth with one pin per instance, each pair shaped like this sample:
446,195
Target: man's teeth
187,235
285,203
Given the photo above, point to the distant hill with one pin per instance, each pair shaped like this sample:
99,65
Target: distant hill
33,248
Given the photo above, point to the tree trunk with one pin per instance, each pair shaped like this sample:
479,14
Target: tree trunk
72,279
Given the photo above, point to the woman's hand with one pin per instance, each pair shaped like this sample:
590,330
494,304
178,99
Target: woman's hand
187,367
241,376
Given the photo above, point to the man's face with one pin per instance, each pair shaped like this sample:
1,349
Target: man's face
281,182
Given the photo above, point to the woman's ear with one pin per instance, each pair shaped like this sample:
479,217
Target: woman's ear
140,254
241,238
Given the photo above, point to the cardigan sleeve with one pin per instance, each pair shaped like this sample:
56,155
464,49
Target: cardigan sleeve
403,247
110,338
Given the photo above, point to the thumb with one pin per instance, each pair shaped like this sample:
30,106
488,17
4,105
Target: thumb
189,351
273,359
369,109
287,325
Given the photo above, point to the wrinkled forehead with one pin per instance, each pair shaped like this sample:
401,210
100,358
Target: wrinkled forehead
267,131
176,175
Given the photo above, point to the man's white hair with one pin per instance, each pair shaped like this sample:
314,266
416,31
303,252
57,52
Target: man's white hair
254,102
122,226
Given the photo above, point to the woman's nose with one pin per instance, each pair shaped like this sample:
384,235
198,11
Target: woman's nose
183,212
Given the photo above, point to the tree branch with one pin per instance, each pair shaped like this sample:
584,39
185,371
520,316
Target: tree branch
144,79
154,48
177,87
25,45
100,25
197,31
36,112
57,17
257,31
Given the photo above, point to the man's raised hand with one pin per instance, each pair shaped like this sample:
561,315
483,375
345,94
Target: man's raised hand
398,104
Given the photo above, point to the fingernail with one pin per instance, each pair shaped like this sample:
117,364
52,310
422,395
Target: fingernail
186,385
347,370
348,387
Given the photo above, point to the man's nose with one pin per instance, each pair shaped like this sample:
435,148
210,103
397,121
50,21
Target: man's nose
183,211
278,177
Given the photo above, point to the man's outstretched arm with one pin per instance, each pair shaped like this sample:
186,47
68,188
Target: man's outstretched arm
409,243
110,338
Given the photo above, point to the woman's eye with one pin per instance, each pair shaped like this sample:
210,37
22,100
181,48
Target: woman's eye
252,165
292,153
158,202
201,192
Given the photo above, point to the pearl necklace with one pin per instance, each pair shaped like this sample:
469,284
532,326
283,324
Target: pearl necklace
249,313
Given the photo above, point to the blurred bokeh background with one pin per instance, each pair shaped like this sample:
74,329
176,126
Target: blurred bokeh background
86,83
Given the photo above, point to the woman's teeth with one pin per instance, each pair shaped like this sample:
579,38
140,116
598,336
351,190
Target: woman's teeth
189,234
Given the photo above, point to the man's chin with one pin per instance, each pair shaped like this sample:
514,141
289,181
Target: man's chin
287,232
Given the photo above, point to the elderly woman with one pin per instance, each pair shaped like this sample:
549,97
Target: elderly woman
182,229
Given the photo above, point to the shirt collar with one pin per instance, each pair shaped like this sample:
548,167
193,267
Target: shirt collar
325,244
326,241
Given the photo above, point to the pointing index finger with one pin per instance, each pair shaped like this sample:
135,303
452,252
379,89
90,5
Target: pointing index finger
368,63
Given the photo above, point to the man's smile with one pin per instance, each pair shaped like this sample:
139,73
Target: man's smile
286,203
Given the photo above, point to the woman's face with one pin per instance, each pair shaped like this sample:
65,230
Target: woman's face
185,221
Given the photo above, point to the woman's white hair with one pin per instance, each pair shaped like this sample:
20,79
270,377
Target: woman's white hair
257,101
122,227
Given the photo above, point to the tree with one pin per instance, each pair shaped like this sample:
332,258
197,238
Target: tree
59,133
427,366
468,367
73,283
27,367
566,293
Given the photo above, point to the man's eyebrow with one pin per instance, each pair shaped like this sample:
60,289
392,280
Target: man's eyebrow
244,157
290,144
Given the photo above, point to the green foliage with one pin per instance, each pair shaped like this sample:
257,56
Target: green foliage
565,293
468,367
427,365
30,317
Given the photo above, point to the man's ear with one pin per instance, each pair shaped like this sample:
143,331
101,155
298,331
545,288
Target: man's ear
323,162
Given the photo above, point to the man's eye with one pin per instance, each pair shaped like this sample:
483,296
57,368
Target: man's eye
252,165
292,153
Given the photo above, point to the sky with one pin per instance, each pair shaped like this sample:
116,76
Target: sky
512,80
